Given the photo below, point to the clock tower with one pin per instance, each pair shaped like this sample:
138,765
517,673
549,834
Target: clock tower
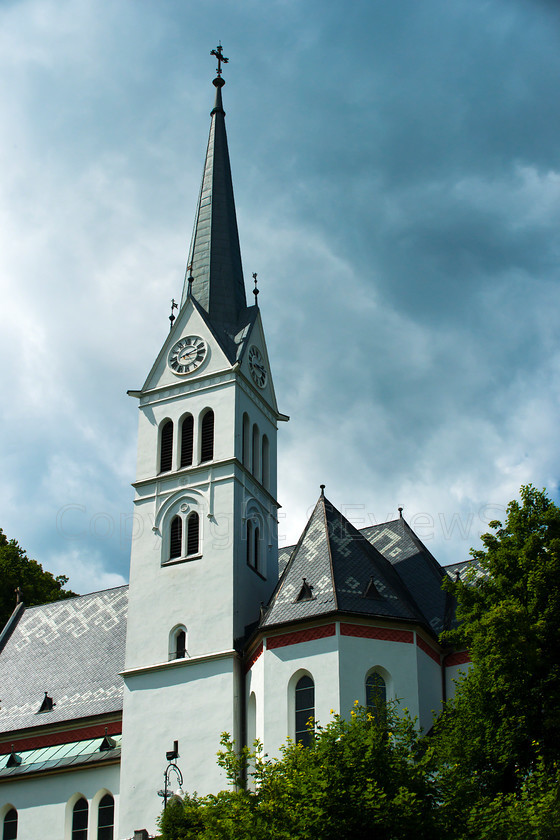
204,549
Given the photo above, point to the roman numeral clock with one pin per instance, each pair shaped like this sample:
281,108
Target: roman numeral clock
187,354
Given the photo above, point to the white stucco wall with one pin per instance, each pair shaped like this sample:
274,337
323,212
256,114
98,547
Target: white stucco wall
44,803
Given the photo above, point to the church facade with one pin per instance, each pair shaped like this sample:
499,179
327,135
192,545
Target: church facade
218,630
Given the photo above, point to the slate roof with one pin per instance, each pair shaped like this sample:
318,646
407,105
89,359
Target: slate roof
344,571
73,650
415,578
215,256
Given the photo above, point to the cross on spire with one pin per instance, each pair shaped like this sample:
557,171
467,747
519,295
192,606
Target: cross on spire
221,58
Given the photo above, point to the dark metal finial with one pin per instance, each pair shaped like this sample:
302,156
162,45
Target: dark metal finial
400,512
255,290
322,486
190,280
172,316
221,58
19,595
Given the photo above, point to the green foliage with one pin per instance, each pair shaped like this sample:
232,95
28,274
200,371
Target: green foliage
17,570
361,778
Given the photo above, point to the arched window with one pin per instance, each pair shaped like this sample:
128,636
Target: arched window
376,693
255,461
305,709
256,548
175,537
187,437
193,533
245,445
80,820
106,818
166,447
250,543
207,437
10,825
180,644
265,462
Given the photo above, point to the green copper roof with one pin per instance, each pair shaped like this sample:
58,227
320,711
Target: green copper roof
215,257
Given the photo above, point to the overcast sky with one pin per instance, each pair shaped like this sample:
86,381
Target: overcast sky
396,168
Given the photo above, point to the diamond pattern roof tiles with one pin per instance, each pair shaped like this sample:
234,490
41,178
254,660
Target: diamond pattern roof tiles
73,650
340,565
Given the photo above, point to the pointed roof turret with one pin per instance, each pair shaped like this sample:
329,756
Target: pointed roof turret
214,262
341,572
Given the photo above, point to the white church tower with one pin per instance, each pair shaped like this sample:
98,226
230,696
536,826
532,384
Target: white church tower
204,553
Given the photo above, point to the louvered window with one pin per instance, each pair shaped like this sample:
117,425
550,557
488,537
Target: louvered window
255,463
166,452
265,463
187,432
192,533
10,825
207,437
80,820
176,536
256,548
106,818
250,545
305,710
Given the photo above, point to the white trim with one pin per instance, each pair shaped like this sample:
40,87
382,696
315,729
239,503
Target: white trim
162,666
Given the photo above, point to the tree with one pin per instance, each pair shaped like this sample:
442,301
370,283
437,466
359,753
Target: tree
361,778
36,585
505,715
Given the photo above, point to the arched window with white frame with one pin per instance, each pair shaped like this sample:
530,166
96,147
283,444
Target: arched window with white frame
176,538
255,452
193,535
207,437
187,441
245,442
265,462
106,817
178,642
80,820
304,710
166,446
376,692
10,825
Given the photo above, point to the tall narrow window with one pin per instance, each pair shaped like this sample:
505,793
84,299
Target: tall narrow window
265,462
106,818
250,544
305,709
166,443
10,825
80,820
256,548
187,433
175,537
255,461
207,437
180,644
193,533
376,693
245,444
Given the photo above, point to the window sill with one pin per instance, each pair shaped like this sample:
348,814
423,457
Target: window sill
176,560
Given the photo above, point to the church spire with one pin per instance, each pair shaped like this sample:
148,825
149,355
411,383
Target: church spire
215,258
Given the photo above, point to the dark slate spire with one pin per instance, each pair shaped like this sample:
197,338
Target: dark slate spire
215,257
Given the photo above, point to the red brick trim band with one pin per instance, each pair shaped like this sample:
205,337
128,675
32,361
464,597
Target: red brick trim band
460,658
361,631
251,661
427,649
300,636
66,737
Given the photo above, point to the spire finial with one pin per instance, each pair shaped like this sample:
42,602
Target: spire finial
400,512
172,316
255,290
322,486
221,59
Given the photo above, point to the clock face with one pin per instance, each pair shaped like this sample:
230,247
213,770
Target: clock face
256,366
187,354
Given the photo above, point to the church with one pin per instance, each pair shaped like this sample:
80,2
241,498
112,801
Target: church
111,699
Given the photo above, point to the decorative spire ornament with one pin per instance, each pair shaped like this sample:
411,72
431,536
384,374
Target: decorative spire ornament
172,316
255,290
